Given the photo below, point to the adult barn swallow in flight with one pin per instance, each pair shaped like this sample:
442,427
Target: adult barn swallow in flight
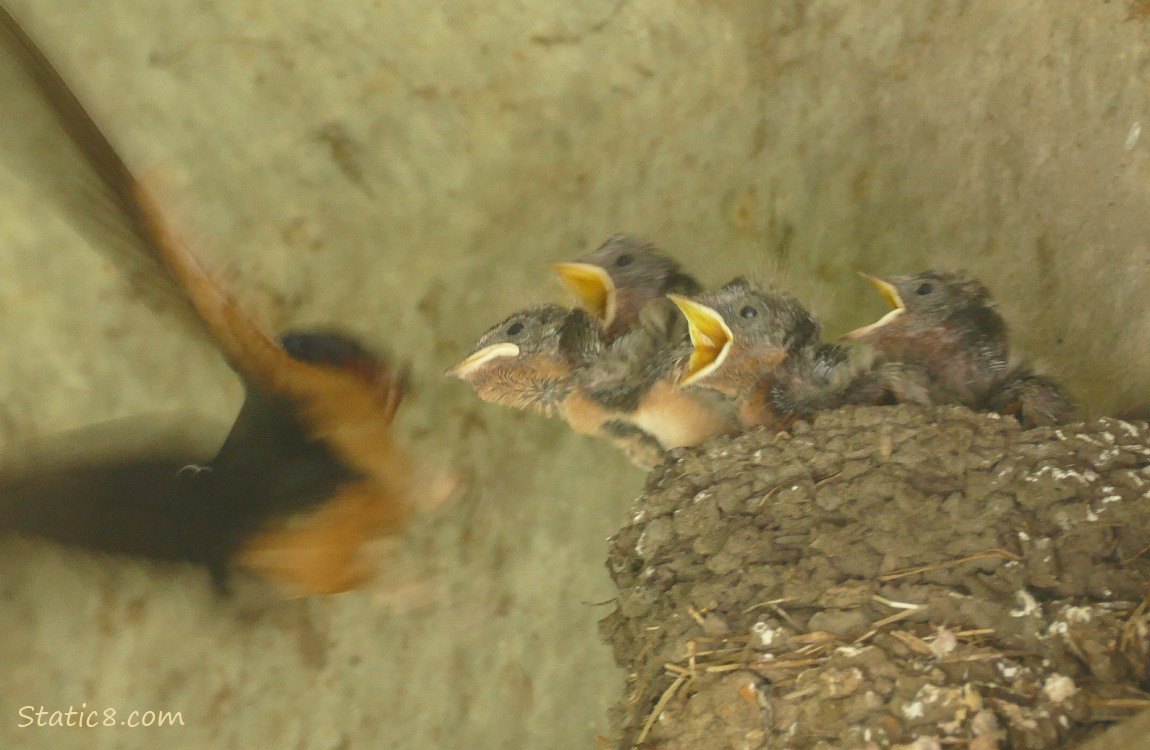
763,350
946,322
309,475
623,284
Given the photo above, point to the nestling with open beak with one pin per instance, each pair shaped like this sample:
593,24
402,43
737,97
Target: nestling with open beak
946,323
522,362
555,362
530,361
623,285
763,350
637,382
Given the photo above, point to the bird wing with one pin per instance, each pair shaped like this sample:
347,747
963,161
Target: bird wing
340,415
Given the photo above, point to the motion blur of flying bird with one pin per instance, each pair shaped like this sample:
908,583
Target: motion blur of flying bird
310,475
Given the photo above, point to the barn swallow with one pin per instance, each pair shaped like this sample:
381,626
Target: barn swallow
520,362
529,361
946,322
636,380
307,479
555,362
623,284
763,350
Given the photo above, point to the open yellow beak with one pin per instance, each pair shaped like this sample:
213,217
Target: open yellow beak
592,286
891,295
710,336
480,358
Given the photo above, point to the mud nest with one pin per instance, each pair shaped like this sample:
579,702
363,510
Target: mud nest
885,577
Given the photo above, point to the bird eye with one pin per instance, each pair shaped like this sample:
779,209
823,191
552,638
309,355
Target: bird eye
924,289
748,312
624,260
514,329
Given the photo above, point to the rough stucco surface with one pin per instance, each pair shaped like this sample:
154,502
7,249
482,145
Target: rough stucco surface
404,169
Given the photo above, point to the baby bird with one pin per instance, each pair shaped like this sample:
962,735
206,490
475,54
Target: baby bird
946,323
531,361
762,349
521,363
623,285
555,362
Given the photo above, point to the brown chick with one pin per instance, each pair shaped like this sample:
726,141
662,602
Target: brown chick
946,323
555,362
762,349
624,285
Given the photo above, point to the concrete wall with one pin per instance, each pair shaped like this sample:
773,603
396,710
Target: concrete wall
405,169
